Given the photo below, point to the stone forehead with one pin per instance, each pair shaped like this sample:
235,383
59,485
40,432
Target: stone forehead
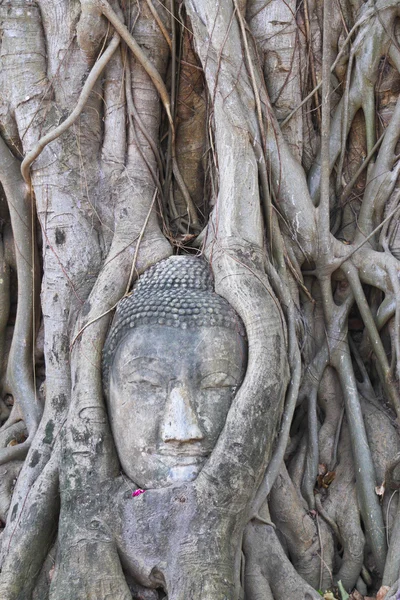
176,292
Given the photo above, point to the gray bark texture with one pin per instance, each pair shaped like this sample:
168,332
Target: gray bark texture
261,136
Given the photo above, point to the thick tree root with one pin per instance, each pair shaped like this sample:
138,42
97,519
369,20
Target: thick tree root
16,432
268,572
310,544
17,452
65,125
19,377
32,535
342,507
8,477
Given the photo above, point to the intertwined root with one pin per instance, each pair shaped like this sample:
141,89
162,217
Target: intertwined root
330,523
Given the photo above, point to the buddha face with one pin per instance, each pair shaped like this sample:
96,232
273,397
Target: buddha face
170,392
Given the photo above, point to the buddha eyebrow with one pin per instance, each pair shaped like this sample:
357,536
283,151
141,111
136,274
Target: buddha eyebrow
150,361
222,362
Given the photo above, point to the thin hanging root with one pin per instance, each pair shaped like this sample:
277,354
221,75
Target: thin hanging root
394,278
138,54
159,23
266,194
4,301
345,124
368,107
19,380
389,480
339,263
83,98
323,209
191,209
348,189
327,518
311,463
137,240
364,468
368,14
141,234
311,61
258,147
291,397
161,89
376,342
193,219
131,110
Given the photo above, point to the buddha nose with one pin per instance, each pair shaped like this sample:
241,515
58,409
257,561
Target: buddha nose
180,422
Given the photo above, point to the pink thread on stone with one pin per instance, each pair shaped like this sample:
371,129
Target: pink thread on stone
137,493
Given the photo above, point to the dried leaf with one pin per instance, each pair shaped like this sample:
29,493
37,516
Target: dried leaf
12,442
355,595
380,489
322,469
324,481
381,595
51,572
329,596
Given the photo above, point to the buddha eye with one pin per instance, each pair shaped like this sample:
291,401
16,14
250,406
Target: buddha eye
218,380
147,379
145,383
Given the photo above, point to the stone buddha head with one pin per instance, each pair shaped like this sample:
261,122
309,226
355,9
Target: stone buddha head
173,360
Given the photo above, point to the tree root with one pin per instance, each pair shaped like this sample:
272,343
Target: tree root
376,342
392,566
312,455
89,570
269,575
268,572
4,302
300,531
138,53
274,465
17,452
15,432
8,477
85,93
20,367
341,507
91,30
367,15
162,90
365,474
366,60
32,535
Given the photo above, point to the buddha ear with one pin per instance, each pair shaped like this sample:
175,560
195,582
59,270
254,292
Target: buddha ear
241,454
